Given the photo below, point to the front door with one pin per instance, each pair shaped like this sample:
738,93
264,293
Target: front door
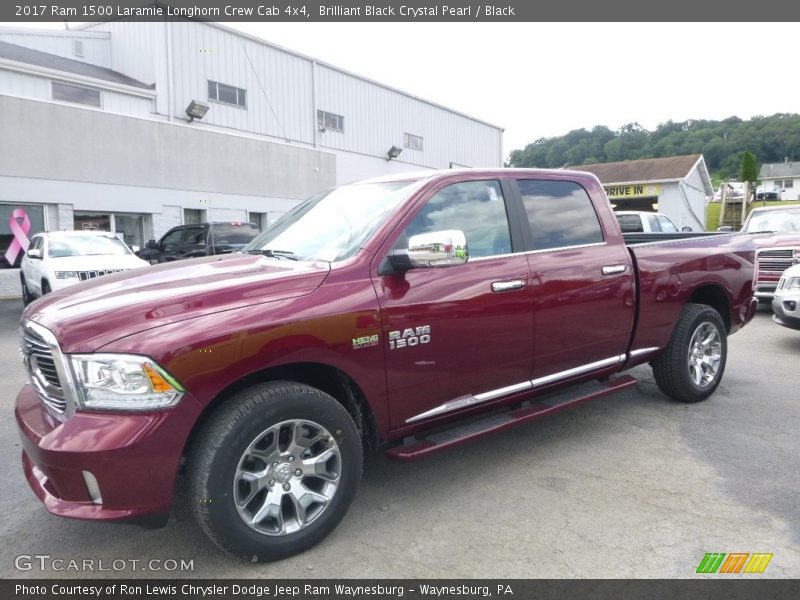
457,336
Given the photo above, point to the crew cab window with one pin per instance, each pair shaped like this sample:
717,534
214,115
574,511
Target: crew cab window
194,235
560,214
173,237
475,207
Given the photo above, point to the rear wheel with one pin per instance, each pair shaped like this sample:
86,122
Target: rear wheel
274,470
692,365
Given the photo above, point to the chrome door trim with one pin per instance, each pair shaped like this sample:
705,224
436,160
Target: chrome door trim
606,362
642,351
473,399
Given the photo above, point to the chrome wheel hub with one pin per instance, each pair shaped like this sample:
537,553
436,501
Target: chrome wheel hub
705,354
287,477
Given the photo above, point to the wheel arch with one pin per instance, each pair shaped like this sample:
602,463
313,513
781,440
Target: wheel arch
714,296
328,379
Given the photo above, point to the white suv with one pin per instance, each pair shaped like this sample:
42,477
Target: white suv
58,259
786,301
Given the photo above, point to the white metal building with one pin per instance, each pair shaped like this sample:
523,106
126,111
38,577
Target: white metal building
99,135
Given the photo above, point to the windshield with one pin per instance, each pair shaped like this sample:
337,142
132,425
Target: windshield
85,245
233,233
333,225
776,220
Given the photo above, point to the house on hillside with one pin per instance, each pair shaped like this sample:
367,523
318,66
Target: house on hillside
785,175
676,186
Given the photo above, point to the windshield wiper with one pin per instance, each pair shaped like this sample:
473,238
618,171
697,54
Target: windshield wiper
287,254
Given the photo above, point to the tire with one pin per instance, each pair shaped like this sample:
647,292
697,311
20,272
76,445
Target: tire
691,367
45,287
244,487
27,298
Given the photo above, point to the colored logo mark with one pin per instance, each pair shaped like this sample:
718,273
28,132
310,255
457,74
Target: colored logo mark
734,562
20,230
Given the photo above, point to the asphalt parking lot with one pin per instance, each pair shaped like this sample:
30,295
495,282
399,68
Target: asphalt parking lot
633,485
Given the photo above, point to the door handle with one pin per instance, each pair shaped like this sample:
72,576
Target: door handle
614,269
507,286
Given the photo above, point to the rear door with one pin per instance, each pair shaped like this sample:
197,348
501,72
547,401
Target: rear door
458,336
581,281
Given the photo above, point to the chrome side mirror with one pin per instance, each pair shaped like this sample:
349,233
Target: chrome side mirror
34,253
434,249
438,249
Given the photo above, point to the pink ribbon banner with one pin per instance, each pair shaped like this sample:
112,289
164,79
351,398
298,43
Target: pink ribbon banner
20,225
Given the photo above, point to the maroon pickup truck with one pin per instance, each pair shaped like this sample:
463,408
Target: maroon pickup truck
411,313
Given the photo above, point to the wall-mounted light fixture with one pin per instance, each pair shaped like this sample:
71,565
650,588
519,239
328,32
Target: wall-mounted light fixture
393,152
195,110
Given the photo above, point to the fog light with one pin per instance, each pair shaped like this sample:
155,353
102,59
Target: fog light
92,487
790,305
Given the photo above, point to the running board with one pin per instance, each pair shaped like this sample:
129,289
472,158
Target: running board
425,444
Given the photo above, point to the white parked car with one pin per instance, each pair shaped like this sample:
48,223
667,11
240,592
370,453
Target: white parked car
58,259
786,301
637,221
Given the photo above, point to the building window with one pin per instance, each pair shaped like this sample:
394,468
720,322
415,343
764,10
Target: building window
330,121
76,93
412,142
193,216
788,183
227,94
260,219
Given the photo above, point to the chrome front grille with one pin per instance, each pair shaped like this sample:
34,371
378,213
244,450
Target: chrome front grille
86,275
40,361
774,261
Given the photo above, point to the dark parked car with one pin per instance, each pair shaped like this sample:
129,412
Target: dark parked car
203,239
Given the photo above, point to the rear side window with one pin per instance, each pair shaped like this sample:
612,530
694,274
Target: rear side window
194,235
666,224
655,225
560,214
630,223
233,233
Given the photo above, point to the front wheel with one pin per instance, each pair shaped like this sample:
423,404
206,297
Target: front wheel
274,470
692,365
27,297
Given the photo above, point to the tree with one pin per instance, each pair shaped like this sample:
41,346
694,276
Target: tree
748,171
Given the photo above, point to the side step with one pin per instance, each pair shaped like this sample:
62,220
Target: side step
531,411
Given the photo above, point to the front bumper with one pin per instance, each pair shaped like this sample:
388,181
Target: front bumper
783,313
132,457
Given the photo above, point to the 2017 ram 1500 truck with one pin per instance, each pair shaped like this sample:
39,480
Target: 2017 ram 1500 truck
413,313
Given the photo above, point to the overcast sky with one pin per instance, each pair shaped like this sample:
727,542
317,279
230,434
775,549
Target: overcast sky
545,79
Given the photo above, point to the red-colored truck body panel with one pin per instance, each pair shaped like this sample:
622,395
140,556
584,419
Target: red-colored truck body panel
214,323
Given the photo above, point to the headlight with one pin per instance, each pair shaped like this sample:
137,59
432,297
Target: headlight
793,284
123,382
66,274
796,256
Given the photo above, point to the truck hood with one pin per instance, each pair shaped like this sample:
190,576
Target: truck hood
777,240
89,315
